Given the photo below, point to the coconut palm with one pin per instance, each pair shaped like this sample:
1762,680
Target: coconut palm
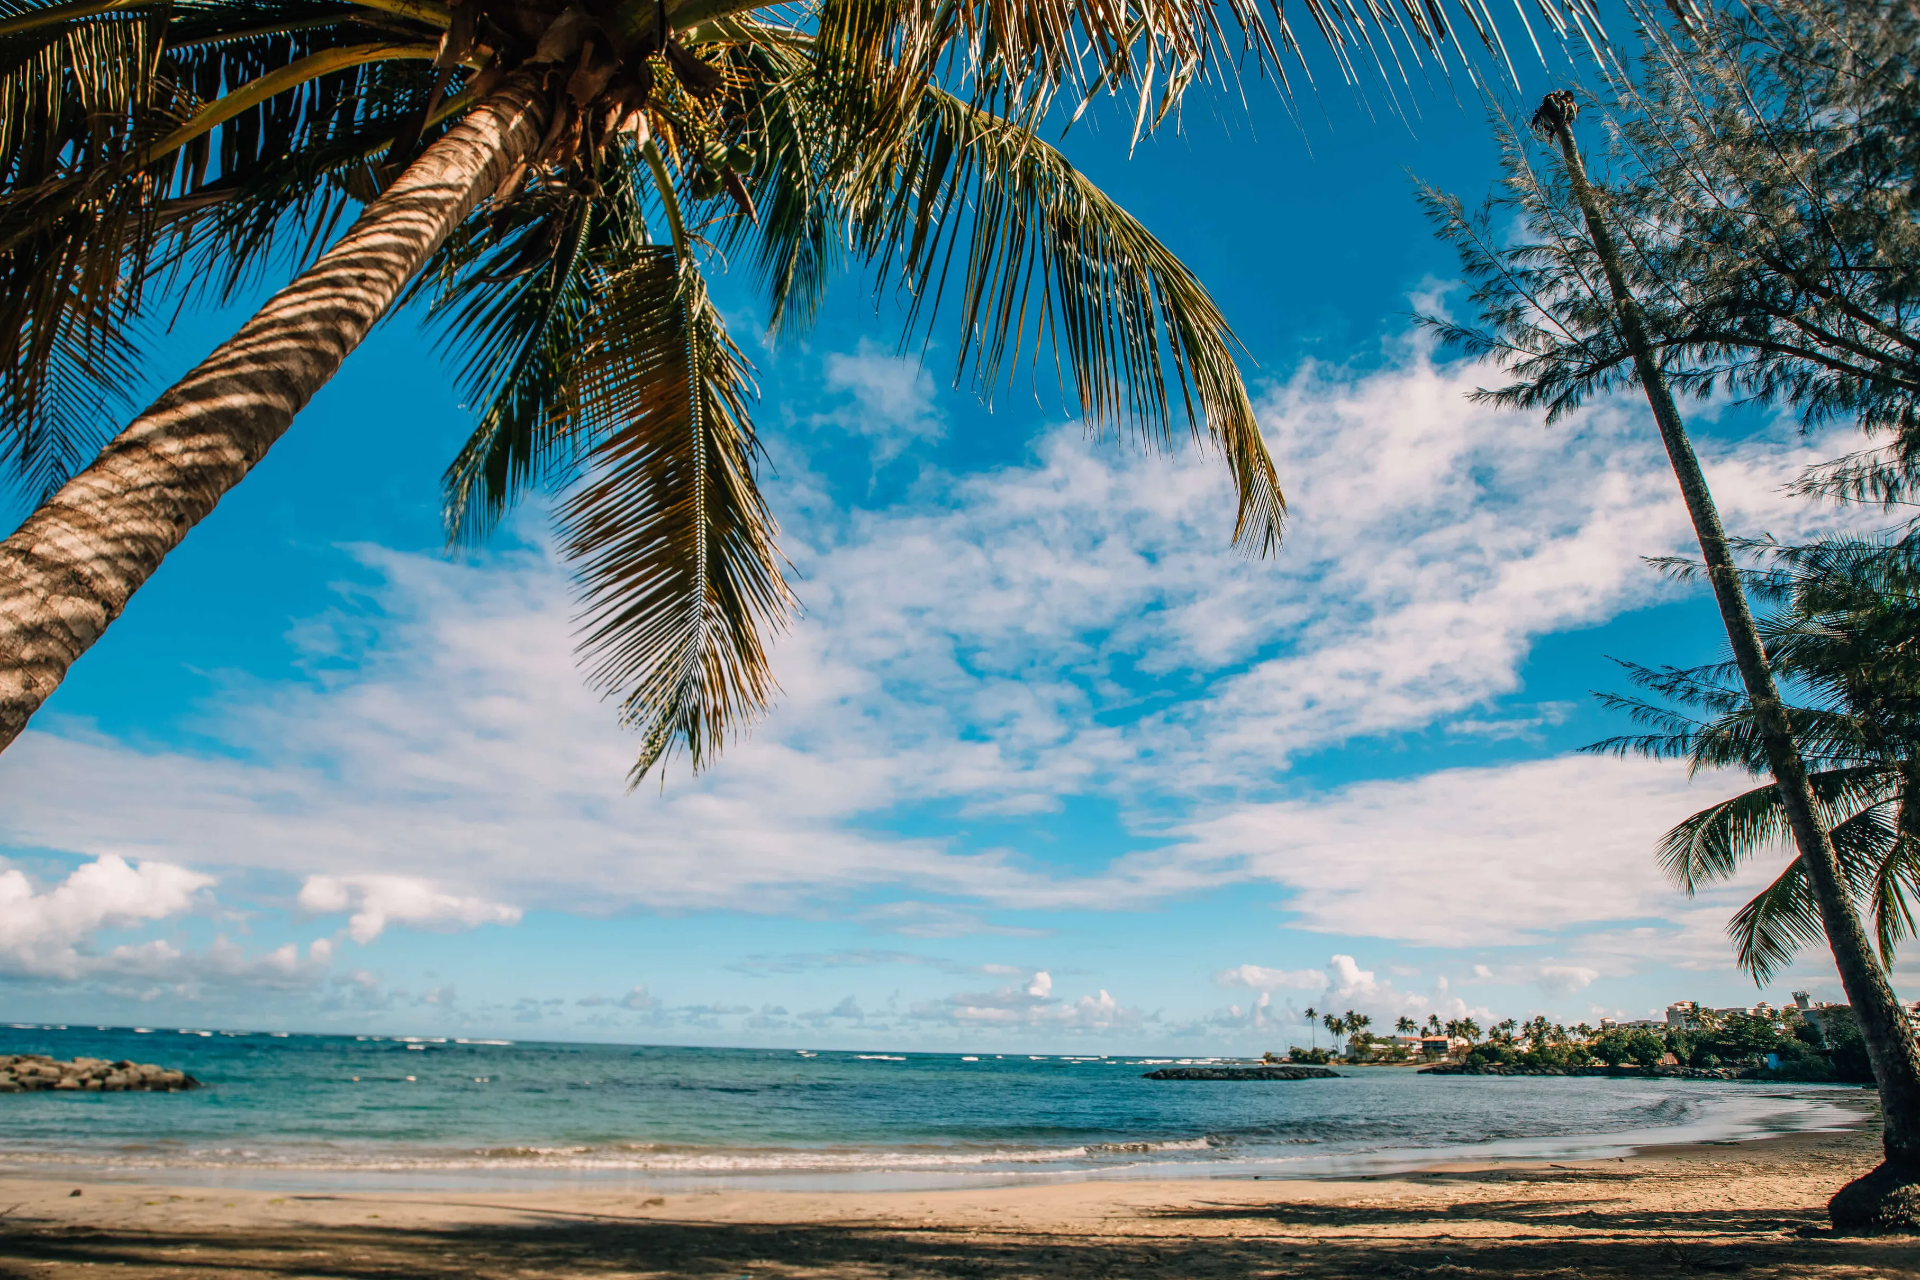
1313,1028
1841,638
1405,1026
549,175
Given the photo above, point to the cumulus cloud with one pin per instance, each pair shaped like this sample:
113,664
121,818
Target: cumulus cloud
1564,979
378,900
1263,979
1030,1007
49,934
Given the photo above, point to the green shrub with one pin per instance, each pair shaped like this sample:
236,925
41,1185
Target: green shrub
1628,1045
1318,1057
1801,1061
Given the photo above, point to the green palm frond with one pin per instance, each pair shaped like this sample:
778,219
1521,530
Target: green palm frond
1043,254
1714,843
1769,931
77,385
515,298
672,541
1895,889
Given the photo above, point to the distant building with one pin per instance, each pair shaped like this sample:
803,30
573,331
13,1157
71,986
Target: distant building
1803,1005
1683,1015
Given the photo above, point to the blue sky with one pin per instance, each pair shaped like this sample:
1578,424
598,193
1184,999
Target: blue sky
1053,765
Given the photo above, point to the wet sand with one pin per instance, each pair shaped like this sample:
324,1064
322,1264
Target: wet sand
1754,1209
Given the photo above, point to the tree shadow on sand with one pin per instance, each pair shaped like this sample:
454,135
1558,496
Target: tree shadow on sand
1245,1241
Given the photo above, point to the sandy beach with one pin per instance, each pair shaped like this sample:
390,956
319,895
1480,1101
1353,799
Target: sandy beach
1754,1208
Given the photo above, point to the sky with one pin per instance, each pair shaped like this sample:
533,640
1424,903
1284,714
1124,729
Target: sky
1053,767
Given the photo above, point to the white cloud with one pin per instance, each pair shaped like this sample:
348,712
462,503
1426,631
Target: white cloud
49,934
378,900
981,646
1563,980
893,398
1262,979
1016,1008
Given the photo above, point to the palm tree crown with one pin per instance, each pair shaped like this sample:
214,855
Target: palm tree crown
209,141
1841,639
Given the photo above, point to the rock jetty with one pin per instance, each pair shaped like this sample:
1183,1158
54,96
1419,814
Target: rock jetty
1668,1072
33,1072
1242,1073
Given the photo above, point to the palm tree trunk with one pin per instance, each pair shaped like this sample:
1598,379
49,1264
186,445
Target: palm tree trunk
1884,1199
70,569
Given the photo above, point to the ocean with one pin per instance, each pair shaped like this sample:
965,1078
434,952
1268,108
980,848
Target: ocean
325,1111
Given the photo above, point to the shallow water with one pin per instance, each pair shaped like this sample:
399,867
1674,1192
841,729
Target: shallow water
305,1111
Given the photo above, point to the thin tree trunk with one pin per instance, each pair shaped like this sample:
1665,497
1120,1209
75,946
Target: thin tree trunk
1884,1027
70,569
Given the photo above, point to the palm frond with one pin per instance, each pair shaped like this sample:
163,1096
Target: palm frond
1712,844
670,537
1045,255
1772,928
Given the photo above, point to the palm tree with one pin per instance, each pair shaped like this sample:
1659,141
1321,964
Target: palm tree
1885,1197
1313,1028
548,174
1541,299
1433,1025
1841,638
1405,1026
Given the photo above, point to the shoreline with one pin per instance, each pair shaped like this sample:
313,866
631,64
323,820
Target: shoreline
1677,1209
1731,1119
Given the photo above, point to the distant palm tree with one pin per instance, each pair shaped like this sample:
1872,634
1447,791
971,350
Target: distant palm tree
1313,1028
579,159
1405,1026
1433,1024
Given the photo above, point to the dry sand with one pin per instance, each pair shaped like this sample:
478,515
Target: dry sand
1754,1209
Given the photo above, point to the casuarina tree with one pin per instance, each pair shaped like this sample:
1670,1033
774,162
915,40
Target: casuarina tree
1561,308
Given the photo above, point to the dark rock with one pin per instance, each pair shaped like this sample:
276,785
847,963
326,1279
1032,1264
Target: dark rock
36,1072
1668,1073
1242,1073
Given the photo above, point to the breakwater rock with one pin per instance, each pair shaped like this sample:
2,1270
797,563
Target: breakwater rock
1242,1073
1668,1073
34,1072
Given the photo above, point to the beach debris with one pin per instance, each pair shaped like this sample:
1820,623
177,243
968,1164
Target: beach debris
36,1072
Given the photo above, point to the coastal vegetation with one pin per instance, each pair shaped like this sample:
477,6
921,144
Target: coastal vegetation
1754,232
1761,1043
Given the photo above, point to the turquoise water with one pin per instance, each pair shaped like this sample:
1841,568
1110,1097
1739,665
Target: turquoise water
302,1111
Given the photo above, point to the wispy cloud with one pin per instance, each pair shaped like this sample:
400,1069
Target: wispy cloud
997,644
